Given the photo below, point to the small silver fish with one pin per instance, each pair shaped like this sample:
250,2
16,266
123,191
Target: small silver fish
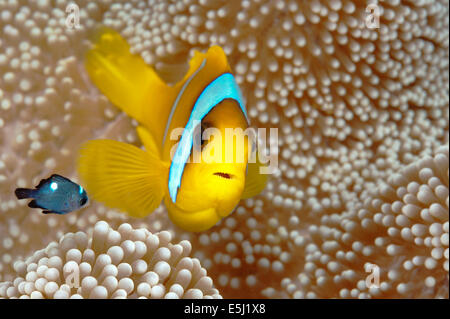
55,195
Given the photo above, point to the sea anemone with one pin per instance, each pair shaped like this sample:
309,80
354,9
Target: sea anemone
361,113
401,228
122,263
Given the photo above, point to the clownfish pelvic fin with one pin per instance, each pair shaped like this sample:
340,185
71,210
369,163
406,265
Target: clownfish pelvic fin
255,182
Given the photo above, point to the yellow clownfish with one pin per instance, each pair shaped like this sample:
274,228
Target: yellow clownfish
197,194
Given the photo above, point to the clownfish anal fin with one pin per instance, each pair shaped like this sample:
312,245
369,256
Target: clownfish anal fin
255,182
123,176
128,82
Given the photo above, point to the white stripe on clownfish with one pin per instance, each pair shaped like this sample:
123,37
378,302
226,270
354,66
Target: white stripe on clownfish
223,87
175,104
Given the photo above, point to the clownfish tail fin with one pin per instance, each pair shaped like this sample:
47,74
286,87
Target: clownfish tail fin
127,81
123,176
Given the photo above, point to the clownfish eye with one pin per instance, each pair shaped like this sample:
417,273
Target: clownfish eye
204,126
198,137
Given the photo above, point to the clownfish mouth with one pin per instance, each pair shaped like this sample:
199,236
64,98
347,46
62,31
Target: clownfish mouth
223,175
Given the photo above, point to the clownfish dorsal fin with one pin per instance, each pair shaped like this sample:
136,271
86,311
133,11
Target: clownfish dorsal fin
203,69
255,182
217,64
123,176
128,82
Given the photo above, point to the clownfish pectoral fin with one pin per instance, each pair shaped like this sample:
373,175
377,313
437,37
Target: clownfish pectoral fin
123,176
128,82
255,182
